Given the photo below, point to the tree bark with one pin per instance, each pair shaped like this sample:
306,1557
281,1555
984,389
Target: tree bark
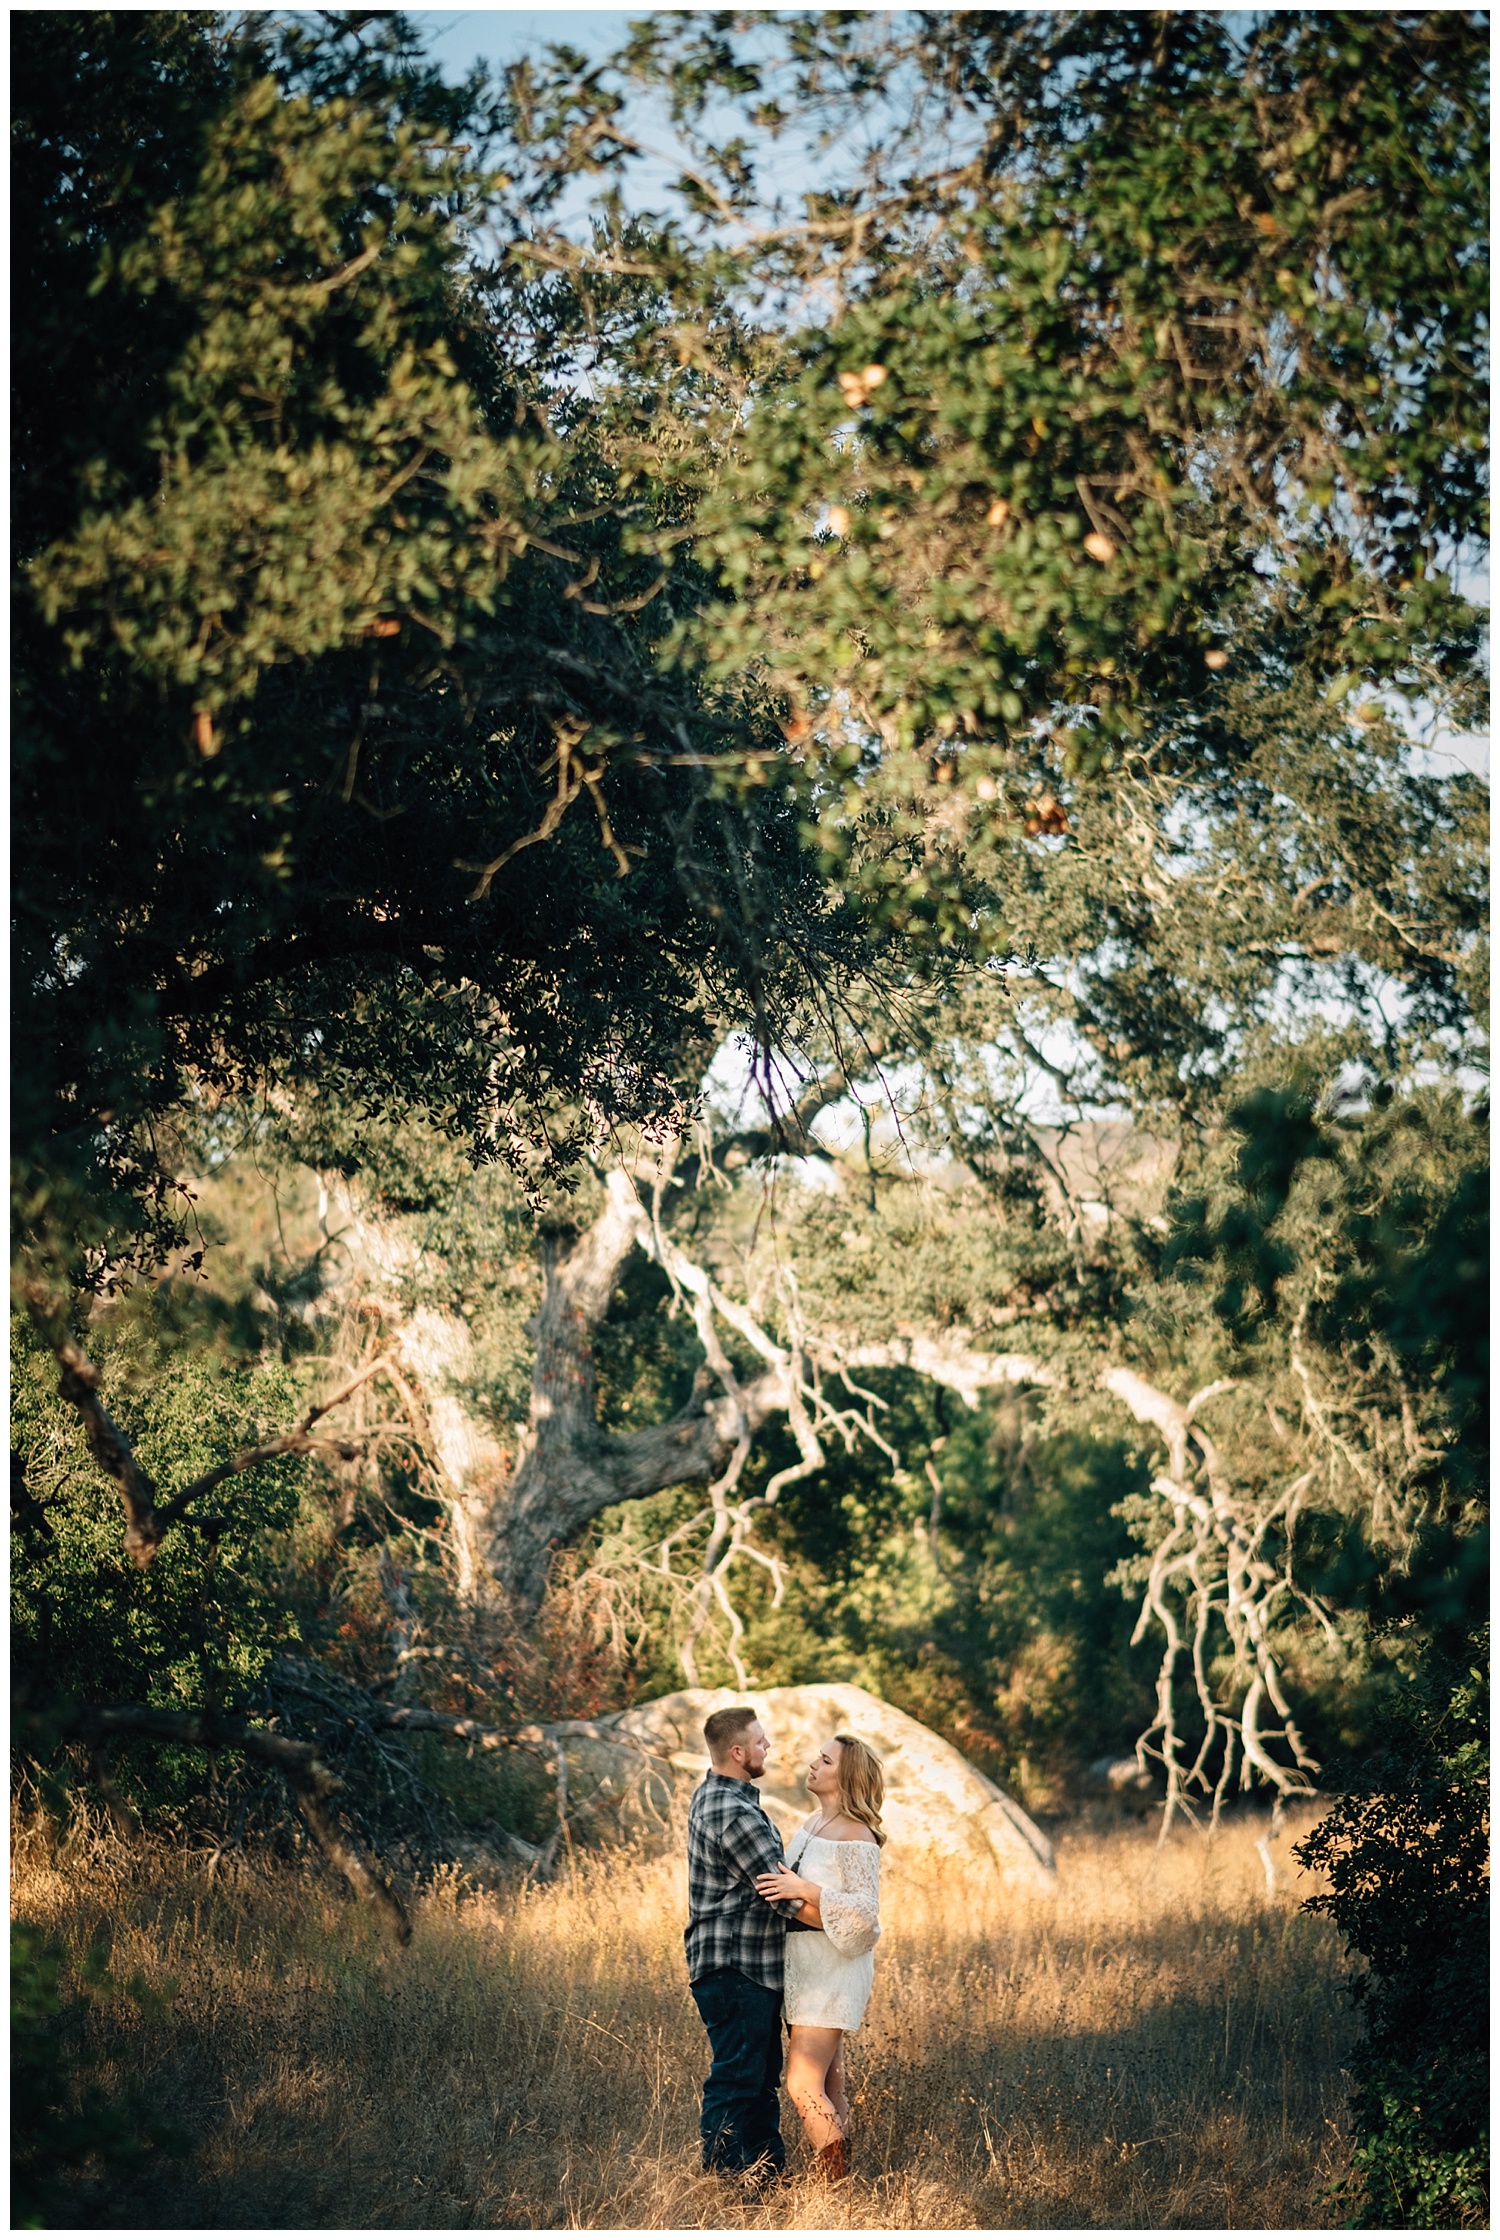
569,1468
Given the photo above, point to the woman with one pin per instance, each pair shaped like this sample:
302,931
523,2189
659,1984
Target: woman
829,1971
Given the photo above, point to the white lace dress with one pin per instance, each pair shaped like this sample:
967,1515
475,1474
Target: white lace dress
829,1971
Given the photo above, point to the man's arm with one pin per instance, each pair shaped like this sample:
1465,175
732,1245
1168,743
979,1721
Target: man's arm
753,1847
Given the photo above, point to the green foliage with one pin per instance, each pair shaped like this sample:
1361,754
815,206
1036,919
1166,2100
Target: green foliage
313,602
1405,1848
1277,1132
73,2135
1358,1242
1144,335
1035,1558
1269,884
270,531
330,556
200,1624
1361,1235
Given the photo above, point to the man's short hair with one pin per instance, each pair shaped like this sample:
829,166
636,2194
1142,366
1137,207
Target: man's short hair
722,1729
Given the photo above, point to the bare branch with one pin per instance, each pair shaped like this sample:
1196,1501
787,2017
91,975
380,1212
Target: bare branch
111,1448
310,1780
148,1521
949,1360
251,1458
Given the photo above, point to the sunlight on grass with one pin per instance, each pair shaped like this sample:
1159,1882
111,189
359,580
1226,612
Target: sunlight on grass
1160,2046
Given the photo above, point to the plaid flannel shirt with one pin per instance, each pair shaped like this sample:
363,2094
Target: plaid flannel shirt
732,1839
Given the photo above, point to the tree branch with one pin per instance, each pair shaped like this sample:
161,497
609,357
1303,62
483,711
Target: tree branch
949,1360
148,1521
1212,1553
311,1782
111,1448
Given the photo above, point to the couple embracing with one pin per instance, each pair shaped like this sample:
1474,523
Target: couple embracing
762,1934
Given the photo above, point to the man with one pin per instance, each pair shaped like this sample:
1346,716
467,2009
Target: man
735,1948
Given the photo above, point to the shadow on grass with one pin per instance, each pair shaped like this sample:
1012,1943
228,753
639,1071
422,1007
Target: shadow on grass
1153,2051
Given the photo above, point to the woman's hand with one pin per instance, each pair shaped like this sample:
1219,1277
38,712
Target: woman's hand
785,1884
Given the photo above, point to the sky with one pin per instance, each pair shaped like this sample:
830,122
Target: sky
460,38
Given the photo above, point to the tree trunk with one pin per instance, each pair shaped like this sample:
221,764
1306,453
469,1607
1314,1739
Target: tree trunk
568,1468
430,1353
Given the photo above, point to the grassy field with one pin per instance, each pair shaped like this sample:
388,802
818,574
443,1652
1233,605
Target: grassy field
1158,2046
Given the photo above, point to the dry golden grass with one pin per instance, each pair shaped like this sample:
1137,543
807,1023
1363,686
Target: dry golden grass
1158,2046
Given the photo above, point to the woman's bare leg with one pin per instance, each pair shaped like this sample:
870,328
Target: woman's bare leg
810,2057
837,2090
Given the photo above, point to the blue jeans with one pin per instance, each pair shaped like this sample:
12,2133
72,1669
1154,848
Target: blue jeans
741,2123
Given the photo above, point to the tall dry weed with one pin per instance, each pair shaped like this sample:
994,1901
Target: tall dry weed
1158,2045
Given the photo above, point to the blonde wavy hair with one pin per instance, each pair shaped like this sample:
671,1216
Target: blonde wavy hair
861,1783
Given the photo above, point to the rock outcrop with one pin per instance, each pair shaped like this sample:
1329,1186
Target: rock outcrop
628,1771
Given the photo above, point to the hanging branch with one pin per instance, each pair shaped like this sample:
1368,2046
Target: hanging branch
312,1784
1231,1580
147,1519
1214,1549
731,1534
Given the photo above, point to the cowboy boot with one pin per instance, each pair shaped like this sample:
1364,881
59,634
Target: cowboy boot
833,2160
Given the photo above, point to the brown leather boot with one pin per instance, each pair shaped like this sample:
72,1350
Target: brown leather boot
833,2160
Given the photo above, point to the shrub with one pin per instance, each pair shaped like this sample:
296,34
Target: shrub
1405,1850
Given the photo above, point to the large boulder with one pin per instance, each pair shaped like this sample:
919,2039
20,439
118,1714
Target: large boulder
622,1767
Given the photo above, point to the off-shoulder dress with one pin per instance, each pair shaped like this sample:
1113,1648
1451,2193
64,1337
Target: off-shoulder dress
830,1971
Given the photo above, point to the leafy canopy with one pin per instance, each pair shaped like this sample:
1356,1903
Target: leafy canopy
381,792
1116,329
501,662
